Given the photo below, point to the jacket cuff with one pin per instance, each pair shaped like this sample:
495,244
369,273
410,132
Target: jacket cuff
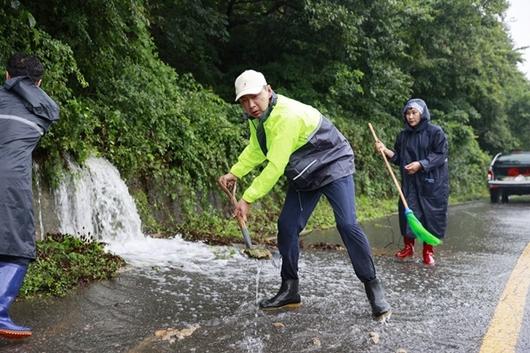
237,171
424,165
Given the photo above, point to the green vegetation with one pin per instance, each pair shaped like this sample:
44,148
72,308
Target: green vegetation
149,86
65,262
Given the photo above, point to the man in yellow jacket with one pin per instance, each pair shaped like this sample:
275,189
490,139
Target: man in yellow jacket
295,139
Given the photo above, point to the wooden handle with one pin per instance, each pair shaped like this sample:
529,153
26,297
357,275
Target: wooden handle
242,224
396,182
233,201
231,194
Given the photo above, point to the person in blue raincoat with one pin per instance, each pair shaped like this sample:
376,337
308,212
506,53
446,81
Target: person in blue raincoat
26,113
421,152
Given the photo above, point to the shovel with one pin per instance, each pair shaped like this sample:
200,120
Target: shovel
250,251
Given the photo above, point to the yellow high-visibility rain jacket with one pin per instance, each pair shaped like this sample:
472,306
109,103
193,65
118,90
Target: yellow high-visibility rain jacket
297,141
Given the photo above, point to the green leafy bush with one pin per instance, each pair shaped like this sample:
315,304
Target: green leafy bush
65,262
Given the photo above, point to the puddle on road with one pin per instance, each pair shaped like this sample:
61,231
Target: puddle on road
172,284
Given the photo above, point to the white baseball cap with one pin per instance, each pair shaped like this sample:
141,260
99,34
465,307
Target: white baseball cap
249,82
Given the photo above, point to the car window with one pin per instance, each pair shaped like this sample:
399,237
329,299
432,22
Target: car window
514,159
509,174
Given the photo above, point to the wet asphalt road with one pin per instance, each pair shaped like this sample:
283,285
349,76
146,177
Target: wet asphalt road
443,309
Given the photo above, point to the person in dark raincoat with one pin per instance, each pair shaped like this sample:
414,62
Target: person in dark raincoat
26,113
421,152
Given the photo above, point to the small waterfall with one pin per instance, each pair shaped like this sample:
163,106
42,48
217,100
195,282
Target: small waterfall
36,178
95,201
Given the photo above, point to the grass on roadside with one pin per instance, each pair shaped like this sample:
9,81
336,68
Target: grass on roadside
64,262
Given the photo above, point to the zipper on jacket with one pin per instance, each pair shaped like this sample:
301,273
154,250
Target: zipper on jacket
304,170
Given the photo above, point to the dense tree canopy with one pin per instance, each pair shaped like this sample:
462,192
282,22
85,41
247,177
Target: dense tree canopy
365,56
149,84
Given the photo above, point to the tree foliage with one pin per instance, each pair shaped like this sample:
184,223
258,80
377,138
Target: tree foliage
149,84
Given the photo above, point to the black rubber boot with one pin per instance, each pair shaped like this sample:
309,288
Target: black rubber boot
376,297
287,297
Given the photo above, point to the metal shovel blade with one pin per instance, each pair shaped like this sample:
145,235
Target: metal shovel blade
246,237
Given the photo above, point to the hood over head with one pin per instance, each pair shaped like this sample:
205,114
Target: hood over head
35,99
418,104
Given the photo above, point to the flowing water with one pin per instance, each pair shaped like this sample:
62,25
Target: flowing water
95,201
204,298
38,198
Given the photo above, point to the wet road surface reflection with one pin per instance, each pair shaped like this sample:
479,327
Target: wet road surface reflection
208,304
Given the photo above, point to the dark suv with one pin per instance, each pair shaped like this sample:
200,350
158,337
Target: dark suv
509,174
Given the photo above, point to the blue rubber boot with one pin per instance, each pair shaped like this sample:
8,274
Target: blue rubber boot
11,278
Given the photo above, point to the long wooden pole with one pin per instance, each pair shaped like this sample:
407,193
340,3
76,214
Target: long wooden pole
390,169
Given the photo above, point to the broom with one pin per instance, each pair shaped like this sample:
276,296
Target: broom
415,225
250,251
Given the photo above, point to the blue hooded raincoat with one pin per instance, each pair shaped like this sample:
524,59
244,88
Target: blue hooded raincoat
427,191
26,113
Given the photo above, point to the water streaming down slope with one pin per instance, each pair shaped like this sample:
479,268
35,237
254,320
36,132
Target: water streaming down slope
38,199
93,200
177,284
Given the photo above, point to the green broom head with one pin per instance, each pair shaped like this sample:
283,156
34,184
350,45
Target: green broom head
419,230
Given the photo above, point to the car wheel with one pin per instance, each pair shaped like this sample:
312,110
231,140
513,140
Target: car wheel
504,197
494,196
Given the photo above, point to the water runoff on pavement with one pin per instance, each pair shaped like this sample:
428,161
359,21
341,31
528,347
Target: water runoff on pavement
179,296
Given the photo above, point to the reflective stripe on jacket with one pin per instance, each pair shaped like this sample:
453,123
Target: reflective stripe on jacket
301,143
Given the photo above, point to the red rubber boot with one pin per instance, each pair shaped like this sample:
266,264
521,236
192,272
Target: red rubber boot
428,255
408,250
